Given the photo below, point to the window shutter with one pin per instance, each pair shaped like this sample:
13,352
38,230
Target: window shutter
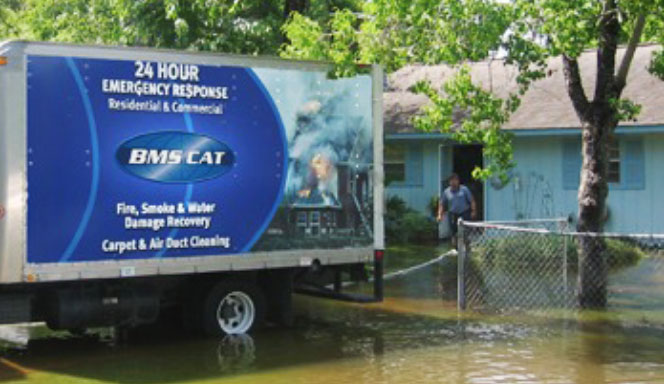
633,164
571,163
414,165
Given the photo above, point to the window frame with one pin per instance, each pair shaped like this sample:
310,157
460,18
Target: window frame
631,151
298,219
615,146
413,165
388,161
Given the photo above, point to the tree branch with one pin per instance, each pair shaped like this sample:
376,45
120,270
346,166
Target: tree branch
621,76
609,28
575,87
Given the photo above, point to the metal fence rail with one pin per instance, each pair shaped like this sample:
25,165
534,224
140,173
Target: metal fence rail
542,265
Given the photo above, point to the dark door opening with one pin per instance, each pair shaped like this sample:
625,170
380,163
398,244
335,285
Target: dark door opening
464,159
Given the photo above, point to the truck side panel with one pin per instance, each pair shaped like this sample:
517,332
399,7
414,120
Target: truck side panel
142,162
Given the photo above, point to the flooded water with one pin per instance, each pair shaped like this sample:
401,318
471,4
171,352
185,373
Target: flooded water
413,337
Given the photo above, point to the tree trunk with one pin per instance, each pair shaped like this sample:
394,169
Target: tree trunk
599,120
593,191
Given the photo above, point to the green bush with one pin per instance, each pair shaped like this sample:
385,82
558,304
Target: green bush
621,253
404,224
528,252
433,205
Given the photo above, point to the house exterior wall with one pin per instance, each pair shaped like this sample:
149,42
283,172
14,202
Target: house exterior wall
419,188
540,189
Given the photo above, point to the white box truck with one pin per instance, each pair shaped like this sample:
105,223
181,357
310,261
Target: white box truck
134,180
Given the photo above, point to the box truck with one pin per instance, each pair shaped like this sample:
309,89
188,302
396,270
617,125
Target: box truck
134,181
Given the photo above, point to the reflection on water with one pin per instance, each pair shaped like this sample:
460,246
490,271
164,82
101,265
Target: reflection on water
410,338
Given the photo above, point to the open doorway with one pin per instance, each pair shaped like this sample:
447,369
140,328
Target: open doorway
462,159
465,158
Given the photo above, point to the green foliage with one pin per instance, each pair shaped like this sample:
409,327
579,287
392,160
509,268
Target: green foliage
248,26
656,66
395,33
526,33
626,110
406,225
304,35
8,10
622,253
524,252
434,201
483,116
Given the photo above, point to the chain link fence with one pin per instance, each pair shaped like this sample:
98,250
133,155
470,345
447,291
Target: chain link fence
542,265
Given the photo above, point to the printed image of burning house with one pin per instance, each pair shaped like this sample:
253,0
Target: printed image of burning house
314,209
329,187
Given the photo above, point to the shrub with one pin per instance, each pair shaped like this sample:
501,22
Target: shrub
404,224
434,201
529,251
620,253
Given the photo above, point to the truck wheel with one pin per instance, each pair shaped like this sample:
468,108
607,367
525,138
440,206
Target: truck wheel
233,308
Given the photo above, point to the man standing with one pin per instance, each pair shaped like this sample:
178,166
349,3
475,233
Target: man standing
458,202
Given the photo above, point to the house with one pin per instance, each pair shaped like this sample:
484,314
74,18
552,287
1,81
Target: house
547,145
328,194
317,211
314,213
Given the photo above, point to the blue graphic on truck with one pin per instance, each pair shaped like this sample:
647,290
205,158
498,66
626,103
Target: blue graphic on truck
128,162
146,160
175,157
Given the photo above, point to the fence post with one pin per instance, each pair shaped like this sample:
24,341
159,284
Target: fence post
461,267
563,231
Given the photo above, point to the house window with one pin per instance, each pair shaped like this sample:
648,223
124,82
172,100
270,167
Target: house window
314,222
613,175
626,163
301,223
404,164
302,218
395,163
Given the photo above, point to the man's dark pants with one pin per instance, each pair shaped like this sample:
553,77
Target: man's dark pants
453,219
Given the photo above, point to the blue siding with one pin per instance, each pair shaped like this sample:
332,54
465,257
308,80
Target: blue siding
571,158
414,165
632,165
543,188
418,196
539,189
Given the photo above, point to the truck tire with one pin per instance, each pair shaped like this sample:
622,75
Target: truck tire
232,308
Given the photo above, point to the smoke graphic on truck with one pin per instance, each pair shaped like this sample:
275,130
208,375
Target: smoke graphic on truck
326,137
329,189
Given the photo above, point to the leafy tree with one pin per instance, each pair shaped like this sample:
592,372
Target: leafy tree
527,33
248,26
7,10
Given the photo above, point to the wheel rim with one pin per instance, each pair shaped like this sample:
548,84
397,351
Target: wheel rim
236,313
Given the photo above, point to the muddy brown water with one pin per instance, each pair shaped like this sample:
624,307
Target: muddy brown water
413,337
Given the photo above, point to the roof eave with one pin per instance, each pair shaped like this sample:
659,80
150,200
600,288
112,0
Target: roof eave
566,131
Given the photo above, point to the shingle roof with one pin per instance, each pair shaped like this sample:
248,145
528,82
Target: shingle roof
316,199
545,105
